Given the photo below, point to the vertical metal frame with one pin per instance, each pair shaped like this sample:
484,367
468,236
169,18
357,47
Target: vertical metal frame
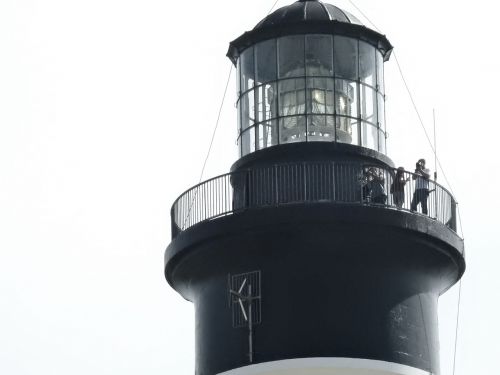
238,106
334,91
278,119
376,98
306,114
380,125
358,89
385,113
255,107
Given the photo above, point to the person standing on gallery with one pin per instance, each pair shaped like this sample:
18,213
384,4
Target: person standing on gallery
398,187
421,194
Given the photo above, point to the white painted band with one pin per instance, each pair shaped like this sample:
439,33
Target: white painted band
326,366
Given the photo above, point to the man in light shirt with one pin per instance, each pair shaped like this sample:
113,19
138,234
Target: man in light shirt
421,176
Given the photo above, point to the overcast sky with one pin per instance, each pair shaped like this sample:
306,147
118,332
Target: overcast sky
106,112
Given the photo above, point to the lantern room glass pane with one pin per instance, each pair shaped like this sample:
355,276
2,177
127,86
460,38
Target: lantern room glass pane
248,141
267,134
247,69
354,132
380,71
347,130
320,128
247,108
381,141
238,81
345,57
346,98
368,104
265,57
265,101
319,55
369,136
291,56
292,97
292,129
367,71
238,75
320,97
381,111
344,129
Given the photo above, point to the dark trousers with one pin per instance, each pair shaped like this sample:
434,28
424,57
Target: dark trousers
420,196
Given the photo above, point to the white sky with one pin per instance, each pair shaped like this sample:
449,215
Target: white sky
106,112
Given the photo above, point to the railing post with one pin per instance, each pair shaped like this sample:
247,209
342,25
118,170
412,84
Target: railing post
276,187
304,175
453,215
246,190
436,196
361,175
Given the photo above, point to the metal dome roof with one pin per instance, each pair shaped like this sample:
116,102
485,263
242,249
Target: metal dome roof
308,17
307,11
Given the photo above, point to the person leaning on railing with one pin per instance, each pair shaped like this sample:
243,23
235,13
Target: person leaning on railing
375,186
398,187
421,193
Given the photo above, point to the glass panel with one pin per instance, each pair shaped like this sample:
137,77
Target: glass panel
367,64
247,109
248,141
380,71
247,69
245,143
292,129
267,134
265,100
380,111
345,57
369,136
344,129
251,131
291,56
381,141
292,97
238,81
265,55
346,98
320,128
368,104
320,98
354,132
239,117
319,55
238,75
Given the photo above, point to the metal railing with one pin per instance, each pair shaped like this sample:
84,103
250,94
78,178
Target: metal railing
331,182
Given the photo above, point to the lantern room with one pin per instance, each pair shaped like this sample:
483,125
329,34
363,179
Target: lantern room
310,72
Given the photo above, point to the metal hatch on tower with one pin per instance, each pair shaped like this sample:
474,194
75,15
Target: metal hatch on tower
245,301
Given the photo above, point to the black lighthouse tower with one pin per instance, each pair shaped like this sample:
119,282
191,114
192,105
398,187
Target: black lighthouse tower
309,257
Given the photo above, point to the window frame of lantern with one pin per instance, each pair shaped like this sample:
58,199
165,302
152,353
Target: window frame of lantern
270,112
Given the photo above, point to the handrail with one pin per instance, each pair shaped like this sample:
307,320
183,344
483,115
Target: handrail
331,182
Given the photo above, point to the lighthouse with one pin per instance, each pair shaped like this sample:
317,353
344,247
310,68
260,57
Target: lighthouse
314,254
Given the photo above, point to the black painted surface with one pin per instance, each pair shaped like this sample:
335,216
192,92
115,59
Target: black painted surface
311,151
337,281
308,17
